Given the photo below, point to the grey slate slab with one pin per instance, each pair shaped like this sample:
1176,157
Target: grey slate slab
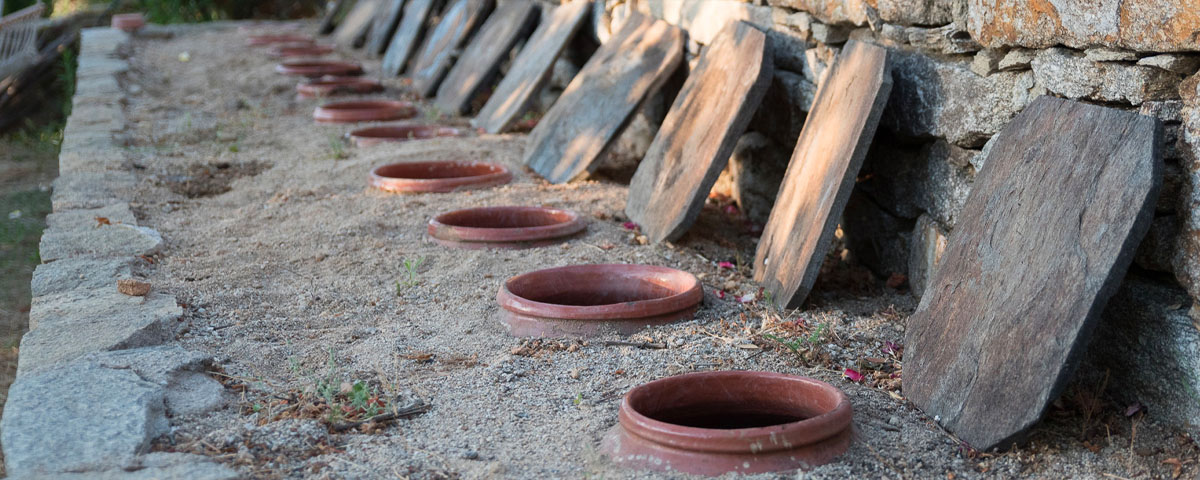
408,36
386,20
477,67
441,46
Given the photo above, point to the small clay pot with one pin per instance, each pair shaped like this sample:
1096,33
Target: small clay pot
364,111
711,423
300,50
129,22
504,227
589,300
319,68
366,137
335,85
426,177
271,39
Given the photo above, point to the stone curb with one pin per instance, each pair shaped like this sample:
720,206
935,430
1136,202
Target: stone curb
96,380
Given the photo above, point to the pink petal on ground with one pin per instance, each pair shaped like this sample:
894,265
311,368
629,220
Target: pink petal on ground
630,226
725,264
853,375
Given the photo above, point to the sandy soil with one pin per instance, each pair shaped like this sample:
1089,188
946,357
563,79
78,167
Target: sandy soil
295,276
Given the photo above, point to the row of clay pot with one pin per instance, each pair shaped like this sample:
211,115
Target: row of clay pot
706,423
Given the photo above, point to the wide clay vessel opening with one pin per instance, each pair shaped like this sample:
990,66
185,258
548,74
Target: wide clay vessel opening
504,227
438,176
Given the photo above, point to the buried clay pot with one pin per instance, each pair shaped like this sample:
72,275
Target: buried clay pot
589,300
504,227
271,39
335,85
319,68
364,111
366,137
710,423
300,50
432,177
129,22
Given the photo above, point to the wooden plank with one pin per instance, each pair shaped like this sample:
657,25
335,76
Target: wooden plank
1044,239
599,101
828,154
352,31
476,68
531,69
329,18
407,37
385,26
440,47
710,113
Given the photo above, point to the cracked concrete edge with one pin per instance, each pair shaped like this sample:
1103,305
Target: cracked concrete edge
93,240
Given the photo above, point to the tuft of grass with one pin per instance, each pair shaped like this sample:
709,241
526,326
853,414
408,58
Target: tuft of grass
410,270
804,342
337,148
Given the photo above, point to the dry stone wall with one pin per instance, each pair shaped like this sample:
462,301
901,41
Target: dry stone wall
962,69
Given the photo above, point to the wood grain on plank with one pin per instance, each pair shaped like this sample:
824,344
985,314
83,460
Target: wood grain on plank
1045,237
696,138
821,173
385,26
440,47
477,67
407,36
531,69
352,32
599,101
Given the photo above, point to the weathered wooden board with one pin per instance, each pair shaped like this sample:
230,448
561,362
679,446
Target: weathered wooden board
1044,239
696,138
329,18
477,67
352,32
385,26
407,37
440,47
828,154
531,69
598,102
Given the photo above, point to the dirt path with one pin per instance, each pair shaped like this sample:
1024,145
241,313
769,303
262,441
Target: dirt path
293,274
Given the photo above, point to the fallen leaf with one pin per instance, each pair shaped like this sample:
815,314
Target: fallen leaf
630,226
1178,466
419,356
725,264
619,371
102,221
749,346
853,375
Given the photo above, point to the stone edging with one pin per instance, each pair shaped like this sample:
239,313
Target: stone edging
96,379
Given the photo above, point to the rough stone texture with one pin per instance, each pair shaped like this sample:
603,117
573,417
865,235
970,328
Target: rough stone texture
1071,75
459,21
1185,64
946,99
77,418
91,190
181,372
791,95
908,181
115,239
87,219
875,238
80,273
928,243
1187,259
703,19
1017,59
830,11
1102,54
407,37
478,64
1153,25
920,12
752,176
67,325
1157,249
159,466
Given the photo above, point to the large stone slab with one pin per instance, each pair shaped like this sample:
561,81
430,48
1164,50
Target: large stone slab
188,390
821,174
1072,75
91,189
407,37
159,466
68,325
77,418
352,32
477,67
1051,225
1146,25
80,272
693,145
103,240
329,17
384,27
437,54
599,101
532,67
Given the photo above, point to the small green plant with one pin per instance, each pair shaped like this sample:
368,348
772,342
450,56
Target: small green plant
433,114
337,147
410,269
803,342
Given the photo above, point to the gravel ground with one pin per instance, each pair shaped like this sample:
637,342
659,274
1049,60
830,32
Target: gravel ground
293,274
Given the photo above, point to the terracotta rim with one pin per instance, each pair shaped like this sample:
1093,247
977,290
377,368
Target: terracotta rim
365,137
643,439
586,300
270,39
364,111
300,50
128,21
504,227
319,68
334,85
412,177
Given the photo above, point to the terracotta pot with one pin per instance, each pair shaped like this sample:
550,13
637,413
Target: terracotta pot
335,85
366,137
300,50
271,39
364,111
504,227
588,300
414,177
710,423
319,68
129,22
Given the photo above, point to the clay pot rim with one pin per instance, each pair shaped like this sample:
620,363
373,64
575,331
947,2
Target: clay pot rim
300,50
786,436
686,297
440,229
352,111
318,68
330,84
498,175
363,137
